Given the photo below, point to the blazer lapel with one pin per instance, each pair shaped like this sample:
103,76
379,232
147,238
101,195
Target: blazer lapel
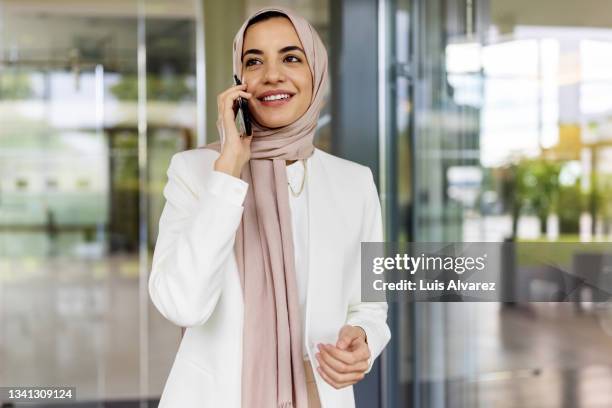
321,213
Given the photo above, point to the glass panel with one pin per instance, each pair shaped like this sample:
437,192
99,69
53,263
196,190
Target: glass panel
171,118
78,187
509,140
53,217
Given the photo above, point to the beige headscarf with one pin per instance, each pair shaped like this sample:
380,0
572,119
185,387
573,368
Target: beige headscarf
272,367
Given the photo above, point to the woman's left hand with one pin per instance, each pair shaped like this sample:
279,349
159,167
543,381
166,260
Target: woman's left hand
345,363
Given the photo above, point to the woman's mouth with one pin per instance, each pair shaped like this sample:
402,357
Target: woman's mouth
276,100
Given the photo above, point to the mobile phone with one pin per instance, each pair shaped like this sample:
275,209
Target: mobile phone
243,116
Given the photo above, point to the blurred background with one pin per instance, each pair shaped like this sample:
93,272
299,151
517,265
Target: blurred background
483,121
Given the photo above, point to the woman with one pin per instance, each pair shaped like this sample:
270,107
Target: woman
258,253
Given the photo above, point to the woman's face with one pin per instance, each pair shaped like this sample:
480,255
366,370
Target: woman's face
276,72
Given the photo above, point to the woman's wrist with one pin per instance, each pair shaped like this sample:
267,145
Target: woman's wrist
228,165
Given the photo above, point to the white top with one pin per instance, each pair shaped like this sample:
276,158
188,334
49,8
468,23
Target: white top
234,189
299,224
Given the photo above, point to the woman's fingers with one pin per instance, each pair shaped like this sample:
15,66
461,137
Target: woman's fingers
331,382
343,366
357,351
228,114
235,150
222,100
230,99
222,95
335,379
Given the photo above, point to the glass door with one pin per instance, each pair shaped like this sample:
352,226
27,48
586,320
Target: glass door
507,132
54,218
94,100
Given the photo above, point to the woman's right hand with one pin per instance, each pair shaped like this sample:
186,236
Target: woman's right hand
235,150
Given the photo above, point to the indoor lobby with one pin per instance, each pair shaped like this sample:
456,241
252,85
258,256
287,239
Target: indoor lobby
481,120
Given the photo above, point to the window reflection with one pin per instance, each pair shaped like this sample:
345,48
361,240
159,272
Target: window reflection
509,140
71,191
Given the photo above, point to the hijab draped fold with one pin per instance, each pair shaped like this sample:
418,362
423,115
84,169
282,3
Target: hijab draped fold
272,363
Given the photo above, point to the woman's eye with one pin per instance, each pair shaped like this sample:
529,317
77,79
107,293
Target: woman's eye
293,58
289,58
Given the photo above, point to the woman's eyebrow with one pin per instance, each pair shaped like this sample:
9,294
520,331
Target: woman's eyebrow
282,50
291,48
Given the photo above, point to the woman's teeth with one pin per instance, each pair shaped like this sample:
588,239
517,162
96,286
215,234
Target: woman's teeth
276,97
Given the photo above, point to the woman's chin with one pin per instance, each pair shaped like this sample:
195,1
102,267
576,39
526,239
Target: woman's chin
273,123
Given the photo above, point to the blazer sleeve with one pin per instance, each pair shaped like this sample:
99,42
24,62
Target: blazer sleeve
195,241
370,316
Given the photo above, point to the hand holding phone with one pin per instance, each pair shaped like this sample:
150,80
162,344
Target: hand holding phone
235,146
243,116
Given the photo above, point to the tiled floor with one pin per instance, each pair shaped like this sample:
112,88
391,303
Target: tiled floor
71,322
542,355
77,323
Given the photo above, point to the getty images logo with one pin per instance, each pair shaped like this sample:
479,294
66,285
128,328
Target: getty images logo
438,263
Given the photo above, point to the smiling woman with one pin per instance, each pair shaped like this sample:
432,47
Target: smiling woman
276,71
258,258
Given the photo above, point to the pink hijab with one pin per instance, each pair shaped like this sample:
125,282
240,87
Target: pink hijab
272,361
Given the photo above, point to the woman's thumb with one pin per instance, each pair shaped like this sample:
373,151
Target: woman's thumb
345,337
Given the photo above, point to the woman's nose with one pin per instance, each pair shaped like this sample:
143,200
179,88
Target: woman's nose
274,73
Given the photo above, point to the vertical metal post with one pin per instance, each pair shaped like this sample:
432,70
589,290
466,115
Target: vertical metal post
355,118
101,328
383,79
200,73
143,221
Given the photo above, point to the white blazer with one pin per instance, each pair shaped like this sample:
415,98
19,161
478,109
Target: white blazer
194,280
